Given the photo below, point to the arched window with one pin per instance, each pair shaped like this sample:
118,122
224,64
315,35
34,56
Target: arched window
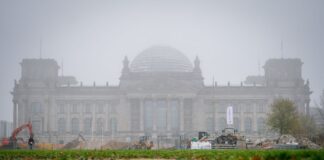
36,107
210,124
221,124
237,123
113,125
87,126
260,125
61,125
248,125
75,126
99,125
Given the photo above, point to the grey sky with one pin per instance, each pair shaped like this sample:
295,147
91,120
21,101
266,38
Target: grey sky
92,37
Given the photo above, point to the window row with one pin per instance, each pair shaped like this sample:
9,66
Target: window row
85,108
238,109
157,112
247,124
88,126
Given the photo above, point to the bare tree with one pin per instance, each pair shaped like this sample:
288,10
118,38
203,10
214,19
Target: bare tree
322,99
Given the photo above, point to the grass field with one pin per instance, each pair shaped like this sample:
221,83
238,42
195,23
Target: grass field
165,154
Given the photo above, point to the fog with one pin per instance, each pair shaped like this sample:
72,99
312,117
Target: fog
233,39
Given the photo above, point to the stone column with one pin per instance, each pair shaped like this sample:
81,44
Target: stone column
142,114
241,118
154,114
23,112
15,123
93,120
80,118
254,118
68,118
181,115
48,117
215,114
169,119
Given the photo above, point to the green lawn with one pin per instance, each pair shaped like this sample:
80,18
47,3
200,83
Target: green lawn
165,154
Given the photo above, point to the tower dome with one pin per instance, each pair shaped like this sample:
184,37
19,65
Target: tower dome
161,59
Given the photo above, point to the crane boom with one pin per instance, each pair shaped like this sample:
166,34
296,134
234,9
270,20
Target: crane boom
17,130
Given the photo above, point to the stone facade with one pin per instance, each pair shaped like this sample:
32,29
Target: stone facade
161,94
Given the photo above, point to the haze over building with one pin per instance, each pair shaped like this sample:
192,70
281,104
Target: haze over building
161,93
232,39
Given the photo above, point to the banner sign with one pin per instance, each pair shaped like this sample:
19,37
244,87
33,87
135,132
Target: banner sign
229,115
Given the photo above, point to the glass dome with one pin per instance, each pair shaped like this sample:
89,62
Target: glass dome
161,59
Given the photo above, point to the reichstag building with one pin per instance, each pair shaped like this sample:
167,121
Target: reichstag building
160,93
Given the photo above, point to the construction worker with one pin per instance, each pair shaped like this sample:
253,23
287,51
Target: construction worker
31,142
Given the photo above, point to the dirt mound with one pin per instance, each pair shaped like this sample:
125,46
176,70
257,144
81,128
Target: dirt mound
116,145
308,143
287,139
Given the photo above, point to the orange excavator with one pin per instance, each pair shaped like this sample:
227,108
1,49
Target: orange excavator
11,143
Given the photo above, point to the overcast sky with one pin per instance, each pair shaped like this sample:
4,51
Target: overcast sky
92,37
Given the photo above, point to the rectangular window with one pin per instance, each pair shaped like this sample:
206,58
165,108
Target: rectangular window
135,114
161,115
87,126
249,108
100,108
187,114
113,109
210,109
261,108
87,108
61,124
74,108
148,117
99,126
236,109
237,123
75,126
36,107
210,124
61,108
221,109
175,121
37,126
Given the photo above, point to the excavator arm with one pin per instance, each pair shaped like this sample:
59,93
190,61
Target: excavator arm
17,130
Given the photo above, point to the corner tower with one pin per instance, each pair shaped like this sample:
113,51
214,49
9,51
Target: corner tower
283,73
39,72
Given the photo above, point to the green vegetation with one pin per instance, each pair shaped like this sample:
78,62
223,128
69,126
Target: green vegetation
164,154
283,117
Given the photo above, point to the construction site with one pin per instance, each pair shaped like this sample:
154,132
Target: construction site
229,138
